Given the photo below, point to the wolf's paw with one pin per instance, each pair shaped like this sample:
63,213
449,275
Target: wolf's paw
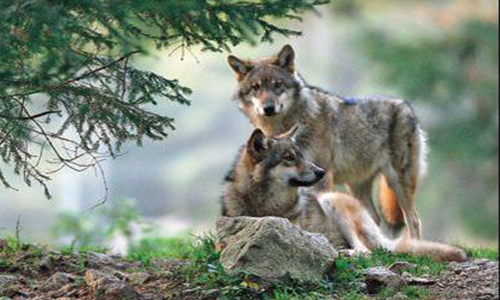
355,252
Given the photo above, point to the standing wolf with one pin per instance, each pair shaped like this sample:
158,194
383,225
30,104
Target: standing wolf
355,140
266,180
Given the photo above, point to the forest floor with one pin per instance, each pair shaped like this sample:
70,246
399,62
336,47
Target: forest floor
177,269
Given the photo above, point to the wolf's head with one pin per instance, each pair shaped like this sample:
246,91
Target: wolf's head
280,160
268,86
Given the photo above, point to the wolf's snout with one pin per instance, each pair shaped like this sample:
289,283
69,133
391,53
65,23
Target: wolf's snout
319,173
269,110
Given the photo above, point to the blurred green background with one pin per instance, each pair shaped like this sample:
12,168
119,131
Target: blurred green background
442,55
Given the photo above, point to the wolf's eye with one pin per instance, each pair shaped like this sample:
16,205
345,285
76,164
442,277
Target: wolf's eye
278,85
255,87
289,157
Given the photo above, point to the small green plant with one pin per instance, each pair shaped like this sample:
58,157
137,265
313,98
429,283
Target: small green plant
82,230
94,229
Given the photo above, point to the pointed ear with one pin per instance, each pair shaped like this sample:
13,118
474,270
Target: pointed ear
286,58
290,134
256,145
239,66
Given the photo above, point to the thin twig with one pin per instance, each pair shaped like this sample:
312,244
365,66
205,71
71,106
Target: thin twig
31,117
18,229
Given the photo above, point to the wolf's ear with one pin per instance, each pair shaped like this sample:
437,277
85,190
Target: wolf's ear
257,144
290,134
240,67
286,58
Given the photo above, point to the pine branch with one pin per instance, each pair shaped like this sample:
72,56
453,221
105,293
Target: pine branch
76,58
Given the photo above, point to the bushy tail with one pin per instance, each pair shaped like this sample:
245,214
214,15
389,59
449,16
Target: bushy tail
389,203
374,238
437,251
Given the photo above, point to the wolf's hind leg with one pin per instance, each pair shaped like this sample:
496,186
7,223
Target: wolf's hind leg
404,184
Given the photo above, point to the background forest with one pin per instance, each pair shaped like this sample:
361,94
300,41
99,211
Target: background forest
442,55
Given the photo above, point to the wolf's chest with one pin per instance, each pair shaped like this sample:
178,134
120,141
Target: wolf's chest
271,204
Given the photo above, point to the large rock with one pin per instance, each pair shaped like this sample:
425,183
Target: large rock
273,249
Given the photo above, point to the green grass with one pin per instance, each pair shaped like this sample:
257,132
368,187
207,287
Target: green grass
479,252
147,250
69,249
13,245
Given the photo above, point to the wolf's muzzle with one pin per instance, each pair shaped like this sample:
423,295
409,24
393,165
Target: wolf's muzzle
269,110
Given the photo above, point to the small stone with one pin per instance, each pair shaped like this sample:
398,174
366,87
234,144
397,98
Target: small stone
46,264
109,287
378,278
399,296
67,288
413,280
98,260
482,261
488,291
138,278
402,266
57,281
8,285
6,280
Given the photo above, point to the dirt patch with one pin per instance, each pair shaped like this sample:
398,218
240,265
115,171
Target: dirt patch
475,280
37,274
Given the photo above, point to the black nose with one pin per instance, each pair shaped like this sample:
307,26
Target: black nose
319,173
269,110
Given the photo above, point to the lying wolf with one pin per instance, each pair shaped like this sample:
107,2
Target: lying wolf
265,181
354,139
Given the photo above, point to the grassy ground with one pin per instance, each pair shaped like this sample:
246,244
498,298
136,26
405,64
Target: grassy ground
209,277
203,276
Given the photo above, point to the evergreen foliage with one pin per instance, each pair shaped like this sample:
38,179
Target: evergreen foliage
65,71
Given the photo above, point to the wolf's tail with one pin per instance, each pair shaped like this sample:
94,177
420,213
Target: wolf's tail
437,251
388,198
389,203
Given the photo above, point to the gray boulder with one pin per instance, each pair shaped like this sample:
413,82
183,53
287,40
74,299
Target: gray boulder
273,249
